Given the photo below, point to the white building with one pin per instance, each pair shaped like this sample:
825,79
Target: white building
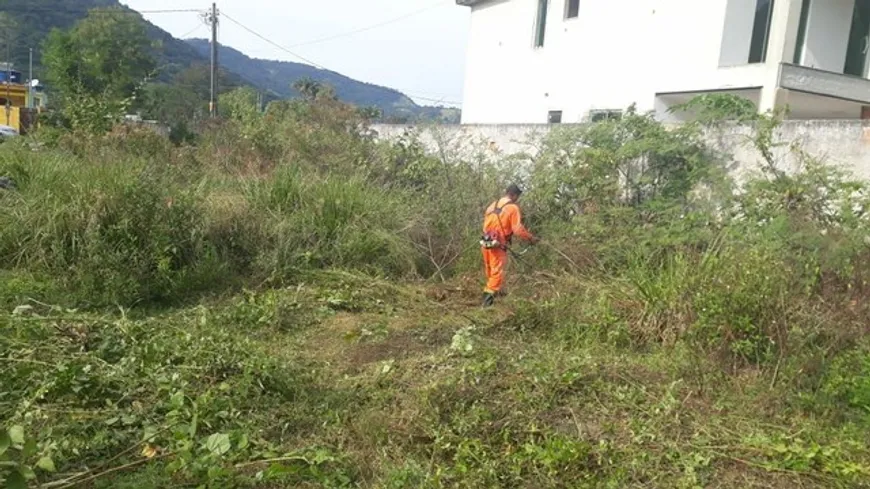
536,61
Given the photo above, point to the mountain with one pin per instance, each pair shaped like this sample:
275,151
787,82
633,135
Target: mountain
30,22
277,77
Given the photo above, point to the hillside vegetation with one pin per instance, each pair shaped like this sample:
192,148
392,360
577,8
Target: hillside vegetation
276,78
286,302
31,21
183,72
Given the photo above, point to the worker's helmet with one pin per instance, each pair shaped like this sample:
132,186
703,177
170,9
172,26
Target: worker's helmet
514,189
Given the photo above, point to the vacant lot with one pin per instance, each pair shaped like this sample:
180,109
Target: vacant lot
287,303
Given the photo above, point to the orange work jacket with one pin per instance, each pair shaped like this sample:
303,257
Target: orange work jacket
503,220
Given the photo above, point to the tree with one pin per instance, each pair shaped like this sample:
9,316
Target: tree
98,67
311,89
241,105
176,105
9,33
370,113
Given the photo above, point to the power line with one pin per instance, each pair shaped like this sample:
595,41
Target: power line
313,63
433,100
273,43
169,11
437,95
42,10
45,10
368,28
198,27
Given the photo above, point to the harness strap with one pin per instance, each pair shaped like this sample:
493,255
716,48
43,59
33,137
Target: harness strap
497,212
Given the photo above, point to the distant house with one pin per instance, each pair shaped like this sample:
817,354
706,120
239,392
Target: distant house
537,61
20,100
135,120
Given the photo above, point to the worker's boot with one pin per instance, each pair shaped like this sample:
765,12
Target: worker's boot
488,299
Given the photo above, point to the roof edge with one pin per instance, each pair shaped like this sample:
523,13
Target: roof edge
469,3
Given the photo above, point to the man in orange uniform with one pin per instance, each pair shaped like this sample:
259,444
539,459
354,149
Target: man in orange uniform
501,222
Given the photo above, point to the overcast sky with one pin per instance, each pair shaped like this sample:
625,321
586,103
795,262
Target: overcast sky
421,51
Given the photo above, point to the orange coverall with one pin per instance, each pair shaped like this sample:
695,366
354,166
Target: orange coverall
503,220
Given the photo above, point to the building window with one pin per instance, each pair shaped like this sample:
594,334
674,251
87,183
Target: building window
572,9
541,23
604,115
802,33
859,40
761,31
554,117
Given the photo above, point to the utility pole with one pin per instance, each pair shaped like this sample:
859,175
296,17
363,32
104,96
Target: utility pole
213,20
30,103
8,81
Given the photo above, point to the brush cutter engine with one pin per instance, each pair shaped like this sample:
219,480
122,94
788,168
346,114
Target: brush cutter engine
490,241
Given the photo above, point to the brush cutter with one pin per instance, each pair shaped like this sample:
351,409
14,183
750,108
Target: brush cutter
520,254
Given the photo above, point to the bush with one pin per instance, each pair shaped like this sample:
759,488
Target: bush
847,381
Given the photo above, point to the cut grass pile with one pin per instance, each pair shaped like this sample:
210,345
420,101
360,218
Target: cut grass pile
357,382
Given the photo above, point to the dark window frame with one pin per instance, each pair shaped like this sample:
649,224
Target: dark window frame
760,39
603,115
859,35
801,44
572,9
541,23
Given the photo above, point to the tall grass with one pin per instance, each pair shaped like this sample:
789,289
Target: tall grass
114,227
661,333
125,218
332,221
108,231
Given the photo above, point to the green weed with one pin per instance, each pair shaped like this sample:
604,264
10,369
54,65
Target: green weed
255,309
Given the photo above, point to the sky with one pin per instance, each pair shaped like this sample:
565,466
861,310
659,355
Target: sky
415,46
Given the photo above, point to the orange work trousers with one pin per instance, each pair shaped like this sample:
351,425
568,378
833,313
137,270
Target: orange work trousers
494,262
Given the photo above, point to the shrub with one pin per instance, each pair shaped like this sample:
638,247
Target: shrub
847,381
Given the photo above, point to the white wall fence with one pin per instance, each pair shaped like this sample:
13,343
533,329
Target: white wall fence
841,143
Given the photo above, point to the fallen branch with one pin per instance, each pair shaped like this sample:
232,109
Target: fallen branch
22,360
563,255
68,483
295,458
71,480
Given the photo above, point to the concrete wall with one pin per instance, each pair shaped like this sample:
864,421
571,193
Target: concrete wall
841,143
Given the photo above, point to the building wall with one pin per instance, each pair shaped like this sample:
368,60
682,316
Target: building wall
841,143
17,95
617,52
12,118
